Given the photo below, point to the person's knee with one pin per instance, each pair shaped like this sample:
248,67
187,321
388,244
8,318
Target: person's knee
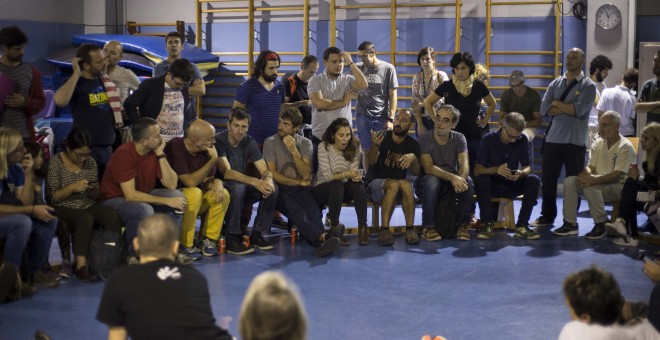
391,186
405,188
570,183
237,190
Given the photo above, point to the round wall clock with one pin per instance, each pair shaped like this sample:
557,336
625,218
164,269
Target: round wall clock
608,16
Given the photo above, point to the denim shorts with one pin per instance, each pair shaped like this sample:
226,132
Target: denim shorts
365,124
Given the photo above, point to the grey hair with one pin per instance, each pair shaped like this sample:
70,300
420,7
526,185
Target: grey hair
616,117
517,75
515,120
453,110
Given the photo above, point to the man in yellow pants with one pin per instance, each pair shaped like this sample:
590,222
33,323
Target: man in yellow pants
194,159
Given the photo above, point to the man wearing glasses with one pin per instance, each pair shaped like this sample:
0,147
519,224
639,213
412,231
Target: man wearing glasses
376,105
162,99
502,170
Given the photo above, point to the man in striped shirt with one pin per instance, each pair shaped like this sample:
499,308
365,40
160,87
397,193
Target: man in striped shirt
27,97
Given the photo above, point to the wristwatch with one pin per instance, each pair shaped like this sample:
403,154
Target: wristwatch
391,120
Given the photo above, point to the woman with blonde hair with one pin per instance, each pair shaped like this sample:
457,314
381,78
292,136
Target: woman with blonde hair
423,84
626,224
272,310
20,219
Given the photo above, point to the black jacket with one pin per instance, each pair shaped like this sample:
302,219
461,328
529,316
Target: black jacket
147,100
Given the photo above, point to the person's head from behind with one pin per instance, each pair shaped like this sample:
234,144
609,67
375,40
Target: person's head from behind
593,296
92,60
34,150
462,65
272,309
631,78
77,145
238,124
174,44
266,66
340,135
12,43
309,66
481,72
157,237
179,73
333,61
11,149
290,121
146,133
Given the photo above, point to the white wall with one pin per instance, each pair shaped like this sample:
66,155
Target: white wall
68,11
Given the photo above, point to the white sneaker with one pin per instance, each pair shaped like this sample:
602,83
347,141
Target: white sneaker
626,241
617,227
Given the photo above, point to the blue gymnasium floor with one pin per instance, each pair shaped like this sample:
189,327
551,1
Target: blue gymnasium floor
497,289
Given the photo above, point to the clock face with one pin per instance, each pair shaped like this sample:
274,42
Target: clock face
608,16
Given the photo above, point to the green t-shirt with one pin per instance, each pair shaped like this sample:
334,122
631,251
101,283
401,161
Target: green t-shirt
526,105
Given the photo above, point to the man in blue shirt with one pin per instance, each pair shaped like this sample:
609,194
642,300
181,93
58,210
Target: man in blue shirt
568,101
502,170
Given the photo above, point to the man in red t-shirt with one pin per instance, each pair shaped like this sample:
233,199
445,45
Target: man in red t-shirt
129,181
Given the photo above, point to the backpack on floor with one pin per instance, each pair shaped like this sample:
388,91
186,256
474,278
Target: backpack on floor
446,215
104,253
10,283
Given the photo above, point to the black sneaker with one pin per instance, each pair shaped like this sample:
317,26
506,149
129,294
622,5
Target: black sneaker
543,221
235,245
259,242
328,247
336,231
566,230
597,232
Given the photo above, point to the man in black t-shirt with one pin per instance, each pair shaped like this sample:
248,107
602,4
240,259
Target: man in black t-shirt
394,152
158,299
295,86
235,148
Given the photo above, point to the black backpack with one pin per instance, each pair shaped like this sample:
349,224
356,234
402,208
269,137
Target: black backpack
104,253
446,214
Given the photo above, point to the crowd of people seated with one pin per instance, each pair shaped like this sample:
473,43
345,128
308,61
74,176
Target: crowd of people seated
131,156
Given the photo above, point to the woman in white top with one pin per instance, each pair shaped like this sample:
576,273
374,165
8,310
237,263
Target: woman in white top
423,84
339,179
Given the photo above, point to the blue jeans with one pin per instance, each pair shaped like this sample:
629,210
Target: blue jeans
430,188
367,123
15,229
489,186
39,243
132,213
243,195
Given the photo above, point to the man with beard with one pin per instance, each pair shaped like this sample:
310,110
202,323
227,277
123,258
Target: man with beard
568,101
445,172
599,68
174,42
331,92
91,103
262,95
289,158
648,100
295,85
376,105
392,154
27,98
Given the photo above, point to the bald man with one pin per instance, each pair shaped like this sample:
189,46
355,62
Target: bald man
194,159
171,301
568,102
124,78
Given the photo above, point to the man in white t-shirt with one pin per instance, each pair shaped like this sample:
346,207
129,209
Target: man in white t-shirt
622,100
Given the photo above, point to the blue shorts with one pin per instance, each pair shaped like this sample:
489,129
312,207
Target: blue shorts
365,124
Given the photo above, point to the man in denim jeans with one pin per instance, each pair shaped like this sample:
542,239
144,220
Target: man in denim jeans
445,171
129,183
235,149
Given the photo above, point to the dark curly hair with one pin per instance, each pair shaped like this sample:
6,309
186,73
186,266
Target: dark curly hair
329,138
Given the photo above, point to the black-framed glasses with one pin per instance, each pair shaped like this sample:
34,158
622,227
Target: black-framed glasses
506,130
